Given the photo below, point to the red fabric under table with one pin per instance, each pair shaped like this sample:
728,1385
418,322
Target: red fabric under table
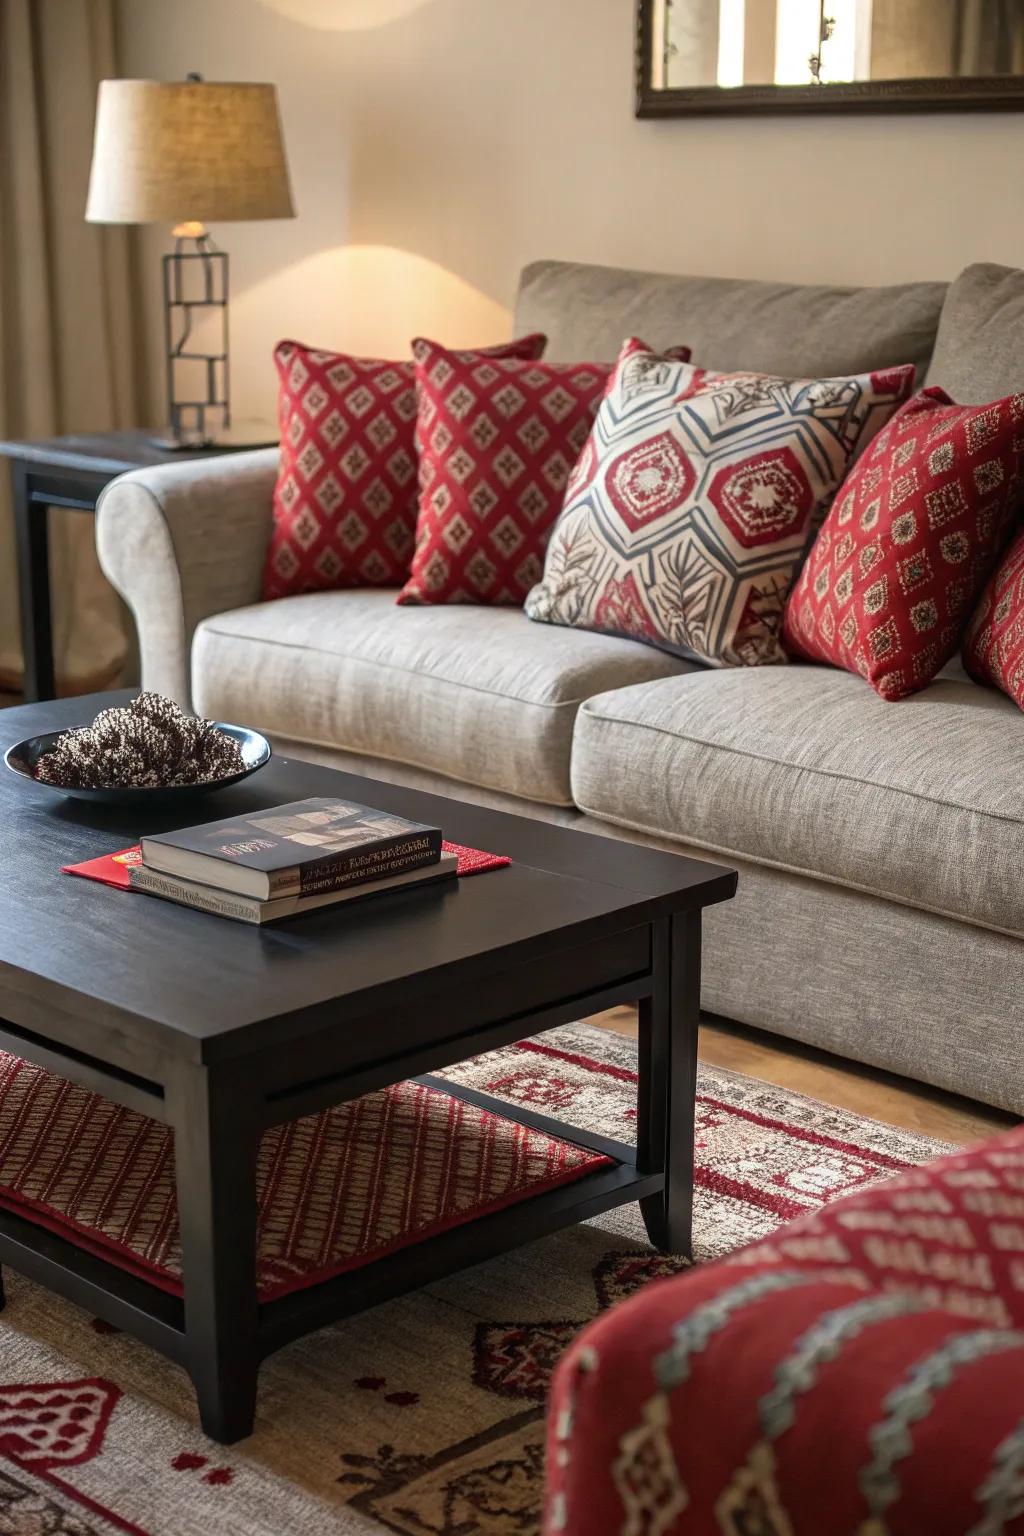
335,1190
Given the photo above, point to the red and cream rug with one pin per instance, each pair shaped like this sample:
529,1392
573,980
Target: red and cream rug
423,1416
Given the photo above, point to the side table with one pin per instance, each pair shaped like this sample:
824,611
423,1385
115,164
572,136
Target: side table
65,472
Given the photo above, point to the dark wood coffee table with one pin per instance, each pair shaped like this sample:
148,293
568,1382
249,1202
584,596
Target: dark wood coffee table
220,1030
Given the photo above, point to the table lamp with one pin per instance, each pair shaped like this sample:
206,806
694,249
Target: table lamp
182,153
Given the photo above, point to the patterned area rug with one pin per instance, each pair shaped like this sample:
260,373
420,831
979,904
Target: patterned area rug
423,1416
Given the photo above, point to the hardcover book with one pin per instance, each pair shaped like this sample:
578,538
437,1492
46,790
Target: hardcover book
246,909
307,848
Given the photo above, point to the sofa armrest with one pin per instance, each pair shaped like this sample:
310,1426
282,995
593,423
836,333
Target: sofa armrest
181,542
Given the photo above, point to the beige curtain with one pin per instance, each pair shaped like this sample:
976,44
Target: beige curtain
910,38
990,37
67,353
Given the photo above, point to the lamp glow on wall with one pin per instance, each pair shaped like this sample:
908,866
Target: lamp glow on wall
183,153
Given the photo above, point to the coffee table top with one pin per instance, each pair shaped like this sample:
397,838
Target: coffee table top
198,986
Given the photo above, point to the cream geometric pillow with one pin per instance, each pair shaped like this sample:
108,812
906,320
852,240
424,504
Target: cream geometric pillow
695,499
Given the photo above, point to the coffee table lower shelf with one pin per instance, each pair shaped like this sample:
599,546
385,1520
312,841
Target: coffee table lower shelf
157,1317
198,1299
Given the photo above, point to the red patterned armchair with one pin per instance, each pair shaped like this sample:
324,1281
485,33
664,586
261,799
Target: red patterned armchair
859,1373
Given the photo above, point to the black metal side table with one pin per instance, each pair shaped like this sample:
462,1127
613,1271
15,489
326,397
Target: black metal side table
64,472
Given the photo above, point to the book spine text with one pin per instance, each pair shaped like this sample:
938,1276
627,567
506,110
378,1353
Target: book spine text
205,898
358,866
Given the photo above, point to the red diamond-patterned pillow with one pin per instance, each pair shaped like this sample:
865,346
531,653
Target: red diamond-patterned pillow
909,541
497,440
994,644
346,496
689,511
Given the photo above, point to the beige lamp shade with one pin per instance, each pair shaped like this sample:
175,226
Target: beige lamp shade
189,150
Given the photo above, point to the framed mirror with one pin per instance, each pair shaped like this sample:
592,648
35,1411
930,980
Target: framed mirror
710,56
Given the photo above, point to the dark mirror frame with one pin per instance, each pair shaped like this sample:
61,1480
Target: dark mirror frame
977,93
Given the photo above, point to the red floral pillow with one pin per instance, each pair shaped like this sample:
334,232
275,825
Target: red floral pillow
346,497
497,441
909,542
994,643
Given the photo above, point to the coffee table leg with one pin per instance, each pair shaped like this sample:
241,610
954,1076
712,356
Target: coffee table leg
667,1088
215,1146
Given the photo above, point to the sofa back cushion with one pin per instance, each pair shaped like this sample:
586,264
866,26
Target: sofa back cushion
730,324
979,351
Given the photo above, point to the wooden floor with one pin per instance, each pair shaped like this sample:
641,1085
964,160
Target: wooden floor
861,1089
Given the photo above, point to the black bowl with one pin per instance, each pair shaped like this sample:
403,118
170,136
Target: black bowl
21,759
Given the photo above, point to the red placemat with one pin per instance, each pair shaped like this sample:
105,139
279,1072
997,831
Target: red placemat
473,862
112,868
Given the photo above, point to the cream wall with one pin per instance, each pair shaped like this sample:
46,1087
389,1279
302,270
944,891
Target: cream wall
438,145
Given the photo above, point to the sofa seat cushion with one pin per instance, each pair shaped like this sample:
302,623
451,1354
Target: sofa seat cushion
810,771
477,694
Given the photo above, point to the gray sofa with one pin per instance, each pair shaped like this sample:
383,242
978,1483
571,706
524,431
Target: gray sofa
881,846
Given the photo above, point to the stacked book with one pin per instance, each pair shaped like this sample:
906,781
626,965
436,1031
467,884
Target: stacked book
292,858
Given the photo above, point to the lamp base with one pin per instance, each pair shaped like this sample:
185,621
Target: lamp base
253,432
